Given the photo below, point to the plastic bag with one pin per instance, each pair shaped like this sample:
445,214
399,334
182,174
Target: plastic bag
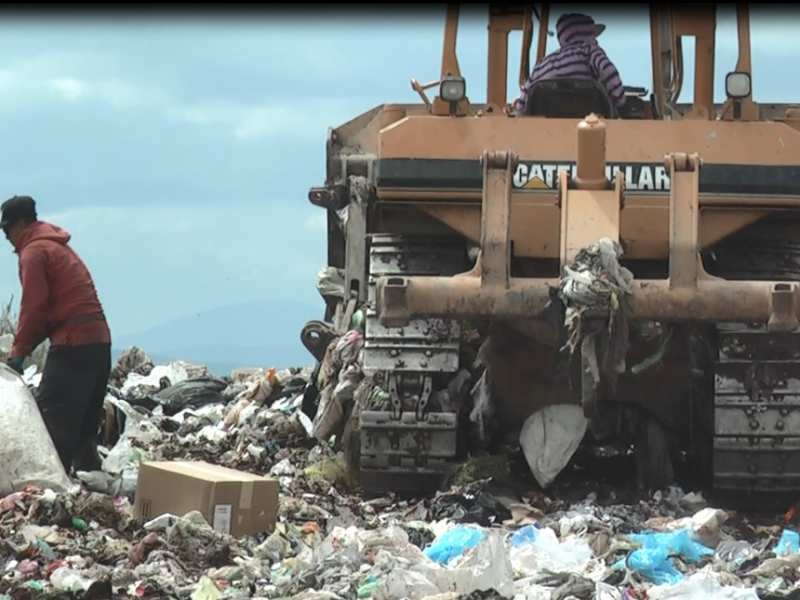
603,591
484,567
207,590
788,544
527,589
481,392
534,551
700,585
28,454
361,542
190,393
137,385
122,461
734,551
678,542
472,503
704,526
454,543
652,561
402,583
654,565
526,535
550,437
6,342
330,282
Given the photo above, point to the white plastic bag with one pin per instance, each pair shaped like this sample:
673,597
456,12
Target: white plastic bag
401,583
175,372
485,566
603,591
549,555
701,585
27,452
6,342
138,428
330,282
550,437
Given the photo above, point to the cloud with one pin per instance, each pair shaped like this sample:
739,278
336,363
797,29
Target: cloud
23,79
309,118
76,79
161,262
69,89
114,92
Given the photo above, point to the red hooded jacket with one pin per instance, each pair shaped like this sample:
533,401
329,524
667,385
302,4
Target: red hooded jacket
59,299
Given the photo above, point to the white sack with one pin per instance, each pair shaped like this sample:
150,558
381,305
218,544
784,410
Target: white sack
27,452
550,437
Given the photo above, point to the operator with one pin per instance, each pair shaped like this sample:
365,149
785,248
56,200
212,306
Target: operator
59,302
579,57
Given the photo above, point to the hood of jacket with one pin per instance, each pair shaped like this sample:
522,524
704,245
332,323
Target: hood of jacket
575,28
42,231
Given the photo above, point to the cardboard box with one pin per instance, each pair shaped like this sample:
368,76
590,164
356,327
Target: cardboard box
232,502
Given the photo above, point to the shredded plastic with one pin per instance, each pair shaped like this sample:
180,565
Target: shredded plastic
595,282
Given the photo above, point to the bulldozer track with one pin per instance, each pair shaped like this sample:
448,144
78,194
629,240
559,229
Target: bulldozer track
424,345
756,445
756,410
409,448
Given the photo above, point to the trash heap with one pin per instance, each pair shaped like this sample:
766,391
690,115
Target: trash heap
481,540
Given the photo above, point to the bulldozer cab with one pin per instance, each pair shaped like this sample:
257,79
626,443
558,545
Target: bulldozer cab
670,26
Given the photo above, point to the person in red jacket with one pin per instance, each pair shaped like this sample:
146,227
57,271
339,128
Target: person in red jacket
59,301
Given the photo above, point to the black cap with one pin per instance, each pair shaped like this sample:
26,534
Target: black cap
17,209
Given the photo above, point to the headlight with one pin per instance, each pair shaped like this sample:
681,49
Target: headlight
453,89
737,85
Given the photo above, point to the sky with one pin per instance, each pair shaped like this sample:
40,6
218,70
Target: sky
179,149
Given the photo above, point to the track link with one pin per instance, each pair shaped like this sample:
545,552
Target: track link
409,448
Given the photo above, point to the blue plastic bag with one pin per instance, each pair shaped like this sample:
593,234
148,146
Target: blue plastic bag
652,561
676,542
654,565
788,544
525,536
453,543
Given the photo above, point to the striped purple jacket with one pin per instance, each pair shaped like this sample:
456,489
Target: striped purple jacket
579,57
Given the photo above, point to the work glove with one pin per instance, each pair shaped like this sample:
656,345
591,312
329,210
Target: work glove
16,364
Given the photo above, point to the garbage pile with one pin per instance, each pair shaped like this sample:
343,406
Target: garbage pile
481,540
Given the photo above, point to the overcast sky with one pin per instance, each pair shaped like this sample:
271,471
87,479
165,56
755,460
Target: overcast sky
179,151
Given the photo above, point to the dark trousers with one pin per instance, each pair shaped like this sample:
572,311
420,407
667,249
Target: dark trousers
70,397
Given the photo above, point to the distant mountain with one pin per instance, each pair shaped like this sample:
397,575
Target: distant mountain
257,334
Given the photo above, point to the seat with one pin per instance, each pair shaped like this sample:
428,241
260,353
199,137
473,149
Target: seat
569,99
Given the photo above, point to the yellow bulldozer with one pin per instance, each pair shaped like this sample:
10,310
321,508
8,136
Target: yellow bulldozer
640,269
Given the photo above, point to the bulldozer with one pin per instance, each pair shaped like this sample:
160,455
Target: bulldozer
637,266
